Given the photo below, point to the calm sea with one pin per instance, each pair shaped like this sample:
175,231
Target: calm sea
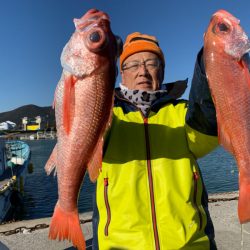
219,172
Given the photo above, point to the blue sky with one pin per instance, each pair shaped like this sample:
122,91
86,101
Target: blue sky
33,33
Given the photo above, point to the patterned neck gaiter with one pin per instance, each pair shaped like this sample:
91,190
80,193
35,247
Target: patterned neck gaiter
140,98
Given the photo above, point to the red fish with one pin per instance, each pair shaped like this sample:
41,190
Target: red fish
83,104
226,64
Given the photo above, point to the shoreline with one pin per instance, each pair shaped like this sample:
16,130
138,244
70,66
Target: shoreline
222,208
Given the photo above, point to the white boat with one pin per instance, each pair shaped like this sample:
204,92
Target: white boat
14,161
32,137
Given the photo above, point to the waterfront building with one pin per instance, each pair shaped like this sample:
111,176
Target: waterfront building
8,125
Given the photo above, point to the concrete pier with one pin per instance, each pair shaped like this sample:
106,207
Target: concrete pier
222,207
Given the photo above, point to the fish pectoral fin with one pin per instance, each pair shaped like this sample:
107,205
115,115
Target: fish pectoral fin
68,101
66,225
95,163
110,116
223,136
224,140
244,197
51,163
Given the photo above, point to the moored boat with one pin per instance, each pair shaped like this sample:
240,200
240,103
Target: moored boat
14,162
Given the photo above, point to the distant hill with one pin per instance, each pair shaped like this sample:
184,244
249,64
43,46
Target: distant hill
31,111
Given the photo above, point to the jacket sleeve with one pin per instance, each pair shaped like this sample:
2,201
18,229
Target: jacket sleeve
201,125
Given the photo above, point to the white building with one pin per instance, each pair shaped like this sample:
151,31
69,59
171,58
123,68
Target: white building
7,125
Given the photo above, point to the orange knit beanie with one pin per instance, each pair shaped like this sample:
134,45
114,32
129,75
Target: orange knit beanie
137,42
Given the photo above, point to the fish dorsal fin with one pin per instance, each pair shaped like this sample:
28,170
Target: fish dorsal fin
68,99
54,100
95,163
225,141
52,162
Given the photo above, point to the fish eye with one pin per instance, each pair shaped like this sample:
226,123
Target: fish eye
95,37
223,27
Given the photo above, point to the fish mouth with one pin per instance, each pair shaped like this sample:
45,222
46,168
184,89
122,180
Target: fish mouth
92,18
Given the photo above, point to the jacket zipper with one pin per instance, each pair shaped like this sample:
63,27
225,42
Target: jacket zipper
151,188
150,178
106,183
196,177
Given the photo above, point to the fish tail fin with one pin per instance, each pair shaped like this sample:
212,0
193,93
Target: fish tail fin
51,163
244,200
65,225
69,83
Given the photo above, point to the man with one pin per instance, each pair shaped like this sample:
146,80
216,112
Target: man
150,193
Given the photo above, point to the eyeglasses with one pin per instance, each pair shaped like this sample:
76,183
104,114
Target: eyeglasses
149,64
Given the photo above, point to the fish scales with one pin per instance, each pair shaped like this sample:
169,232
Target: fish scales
225,45
89,127
232,98
83,104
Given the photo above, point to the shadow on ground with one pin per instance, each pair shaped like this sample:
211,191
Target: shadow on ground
88,246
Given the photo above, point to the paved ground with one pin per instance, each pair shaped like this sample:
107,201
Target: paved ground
38,239
227,227
223,210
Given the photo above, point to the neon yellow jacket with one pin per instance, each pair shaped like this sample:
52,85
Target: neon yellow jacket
150,190
150,193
